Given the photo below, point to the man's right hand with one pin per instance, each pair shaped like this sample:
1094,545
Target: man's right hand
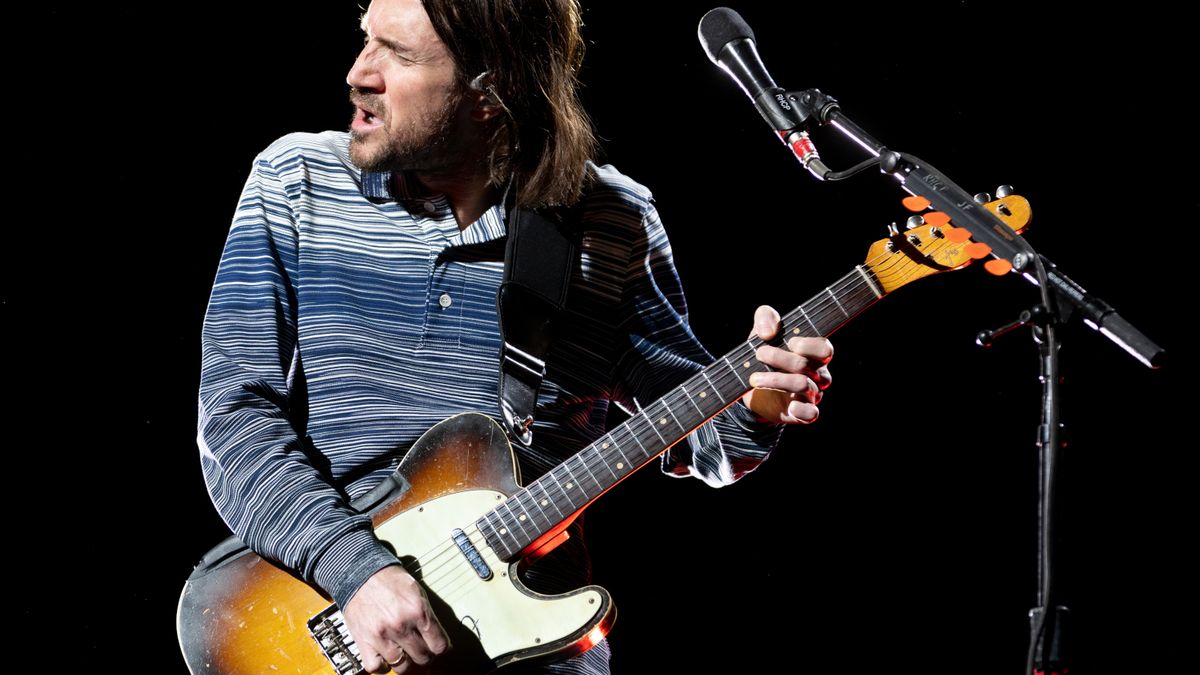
390,619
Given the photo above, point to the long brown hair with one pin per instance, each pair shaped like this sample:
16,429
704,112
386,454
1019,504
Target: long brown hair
531,50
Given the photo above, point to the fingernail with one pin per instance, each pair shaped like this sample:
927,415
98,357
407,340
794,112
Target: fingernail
796,408
755,379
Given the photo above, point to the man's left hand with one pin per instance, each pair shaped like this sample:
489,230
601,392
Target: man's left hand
789,394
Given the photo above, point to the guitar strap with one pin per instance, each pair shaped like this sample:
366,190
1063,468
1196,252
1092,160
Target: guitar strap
538,260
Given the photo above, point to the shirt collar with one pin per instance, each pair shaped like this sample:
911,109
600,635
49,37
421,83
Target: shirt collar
387,186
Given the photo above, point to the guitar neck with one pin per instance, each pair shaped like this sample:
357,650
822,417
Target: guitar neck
541,507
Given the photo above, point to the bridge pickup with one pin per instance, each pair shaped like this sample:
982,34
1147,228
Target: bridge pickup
472,555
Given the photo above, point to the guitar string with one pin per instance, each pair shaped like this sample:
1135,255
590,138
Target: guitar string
449,589
726,379
467,573
453,585
582,458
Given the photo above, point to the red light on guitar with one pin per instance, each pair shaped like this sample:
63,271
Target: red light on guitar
937,218
957,235
914,203
593,637
998,267
977,250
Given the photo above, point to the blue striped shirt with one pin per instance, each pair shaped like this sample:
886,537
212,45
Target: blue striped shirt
350,313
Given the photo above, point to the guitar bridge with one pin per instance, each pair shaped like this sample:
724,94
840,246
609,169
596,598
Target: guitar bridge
329,630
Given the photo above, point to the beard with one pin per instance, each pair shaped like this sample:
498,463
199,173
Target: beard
423,143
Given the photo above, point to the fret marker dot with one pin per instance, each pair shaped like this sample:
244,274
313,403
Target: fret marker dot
795,331
620,465
521,517
745,364
662,420
703,394
570,485
504,530
545,502
605,446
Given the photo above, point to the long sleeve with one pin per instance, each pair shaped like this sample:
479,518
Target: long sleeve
270,489
663,351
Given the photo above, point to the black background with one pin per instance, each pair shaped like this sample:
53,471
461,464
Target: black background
897,532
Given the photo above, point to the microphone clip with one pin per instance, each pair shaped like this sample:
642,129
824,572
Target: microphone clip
805,106
813,103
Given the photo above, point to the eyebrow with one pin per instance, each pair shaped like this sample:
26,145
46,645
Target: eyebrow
390,44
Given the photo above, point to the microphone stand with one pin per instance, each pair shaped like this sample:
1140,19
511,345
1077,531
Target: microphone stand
1060,298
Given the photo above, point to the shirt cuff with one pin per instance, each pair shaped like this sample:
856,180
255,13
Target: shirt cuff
347,564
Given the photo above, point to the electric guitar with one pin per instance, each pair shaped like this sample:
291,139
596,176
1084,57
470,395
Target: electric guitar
463,523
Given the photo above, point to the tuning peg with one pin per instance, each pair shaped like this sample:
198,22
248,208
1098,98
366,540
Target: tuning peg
913,221
1004,191
982,197
893,230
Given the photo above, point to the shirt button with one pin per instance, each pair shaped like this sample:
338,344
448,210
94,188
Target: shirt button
445,300
429,207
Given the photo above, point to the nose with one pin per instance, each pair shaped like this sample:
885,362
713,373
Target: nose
363,75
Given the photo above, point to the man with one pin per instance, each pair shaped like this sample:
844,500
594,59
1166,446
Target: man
355,306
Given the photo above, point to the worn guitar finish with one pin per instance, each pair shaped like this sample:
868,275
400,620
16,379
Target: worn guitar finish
247,615
462,523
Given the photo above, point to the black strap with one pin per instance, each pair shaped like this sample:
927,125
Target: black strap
537,274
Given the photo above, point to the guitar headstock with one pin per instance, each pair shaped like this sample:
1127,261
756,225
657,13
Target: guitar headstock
931,244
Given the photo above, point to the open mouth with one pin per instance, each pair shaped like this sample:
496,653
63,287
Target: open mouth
365,120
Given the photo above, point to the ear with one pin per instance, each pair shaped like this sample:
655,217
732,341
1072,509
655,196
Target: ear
487,104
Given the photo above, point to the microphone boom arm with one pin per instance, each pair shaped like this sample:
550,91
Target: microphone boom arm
921,178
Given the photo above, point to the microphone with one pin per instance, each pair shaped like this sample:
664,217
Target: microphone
729,43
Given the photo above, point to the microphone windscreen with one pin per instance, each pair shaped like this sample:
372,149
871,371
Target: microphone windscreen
719,27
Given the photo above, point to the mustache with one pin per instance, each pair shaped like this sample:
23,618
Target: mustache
368,102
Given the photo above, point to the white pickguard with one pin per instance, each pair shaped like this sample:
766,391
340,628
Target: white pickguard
506,618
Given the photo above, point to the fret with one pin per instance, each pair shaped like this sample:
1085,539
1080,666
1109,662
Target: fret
604,461
736,374
576,484
633,435
512,516
525,500
624,464
611,460
835,301
652,426
681,430
686,416
532,509
562,489
547,499
486,520
587,468
502,536
713,387
627,430
496,522
617,445
688,396
816,331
